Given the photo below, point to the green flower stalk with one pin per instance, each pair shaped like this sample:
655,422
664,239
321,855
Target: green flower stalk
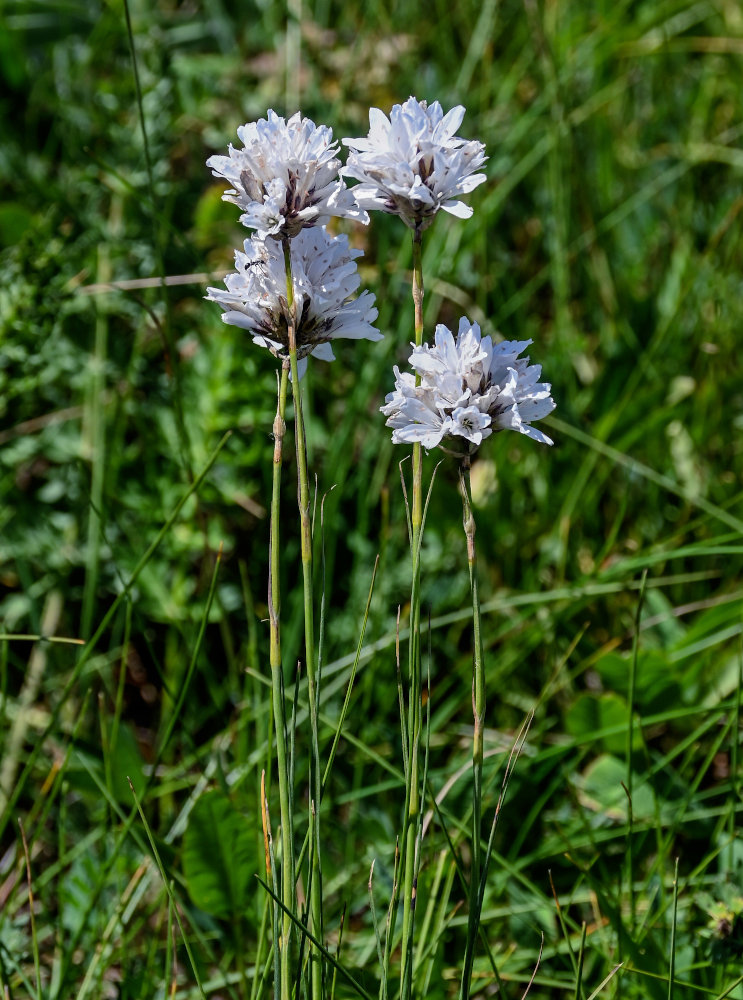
412,165
303,496
413,810
293,291
478,709
277,690
462,391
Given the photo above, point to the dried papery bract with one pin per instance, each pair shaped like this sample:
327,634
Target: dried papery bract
286,177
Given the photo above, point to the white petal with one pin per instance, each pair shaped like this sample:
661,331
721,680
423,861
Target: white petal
450,123
457,208
324,352
535,435
301,369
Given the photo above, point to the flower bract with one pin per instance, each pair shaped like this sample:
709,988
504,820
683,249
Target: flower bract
467,388
285,177
412,163
324,277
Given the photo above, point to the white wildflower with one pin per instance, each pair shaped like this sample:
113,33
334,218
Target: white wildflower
324,276
468,422
468,388
285,177
413,414
412,164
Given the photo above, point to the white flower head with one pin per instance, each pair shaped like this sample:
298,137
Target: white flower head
285,177
467,388
412,164
324,276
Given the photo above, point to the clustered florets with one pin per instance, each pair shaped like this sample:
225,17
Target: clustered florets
467,388
285,177
288,181
412,164
324,279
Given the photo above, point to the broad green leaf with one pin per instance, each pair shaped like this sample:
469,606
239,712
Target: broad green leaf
656,683
219,859
126,763
590,715
601,789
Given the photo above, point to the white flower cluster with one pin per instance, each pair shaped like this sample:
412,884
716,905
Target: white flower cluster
467,388
412,164
324,277
286,179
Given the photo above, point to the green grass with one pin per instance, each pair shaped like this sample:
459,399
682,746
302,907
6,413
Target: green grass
609,232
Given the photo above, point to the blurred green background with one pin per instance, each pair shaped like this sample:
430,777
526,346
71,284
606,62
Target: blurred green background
609,232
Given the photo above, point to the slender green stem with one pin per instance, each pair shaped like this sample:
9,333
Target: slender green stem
734,774
478,708
168,885
31,908
277,686
674,915
414,666
630,739
305,522
94,431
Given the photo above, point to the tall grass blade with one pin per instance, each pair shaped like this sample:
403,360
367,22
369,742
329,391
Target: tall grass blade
389,934
169,889
734,752
576,963
99,632
338,951
604,981
730,988
628,751
372,907
351,679
357,987
536,969
674,916
404,735
32,913
166,328
581,956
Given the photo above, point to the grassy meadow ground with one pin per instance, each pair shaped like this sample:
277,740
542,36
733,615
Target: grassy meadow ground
609,232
